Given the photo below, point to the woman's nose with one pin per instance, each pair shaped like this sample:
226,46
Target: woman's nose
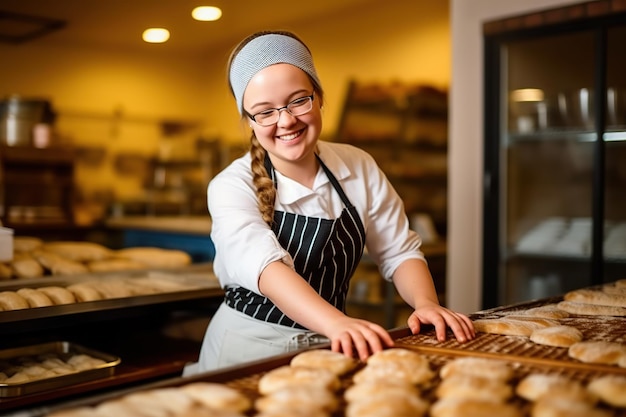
285,118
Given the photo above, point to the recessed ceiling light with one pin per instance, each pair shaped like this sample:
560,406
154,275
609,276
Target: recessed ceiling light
206,13
156,35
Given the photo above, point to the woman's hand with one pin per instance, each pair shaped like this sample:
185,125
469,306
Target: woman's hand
442,318
355,336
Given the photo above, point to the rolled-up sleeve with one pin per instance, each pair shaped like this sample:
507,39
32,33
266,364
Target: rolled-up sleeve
244,243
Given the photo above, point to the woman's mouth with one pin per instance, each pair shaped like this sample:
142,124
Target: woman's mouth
290,136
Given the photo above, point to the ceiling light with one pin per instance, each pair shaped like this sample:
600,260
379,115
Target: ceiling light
206,13
156,35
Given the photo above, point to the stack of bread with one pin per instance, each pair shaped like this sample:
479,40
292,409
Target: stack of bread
35,258
34,368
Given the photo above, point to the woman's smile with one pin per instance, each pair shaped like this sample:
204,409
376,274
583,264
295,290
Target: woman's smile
289,137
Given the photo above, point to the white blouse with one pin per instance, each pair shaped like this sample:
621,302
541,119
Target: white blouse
245,244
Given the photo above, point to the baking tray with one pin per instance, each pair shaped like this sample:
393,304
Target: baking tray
245,379
63,350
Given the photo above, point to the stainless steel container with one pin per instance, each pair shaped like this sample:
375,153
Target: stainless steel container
18,118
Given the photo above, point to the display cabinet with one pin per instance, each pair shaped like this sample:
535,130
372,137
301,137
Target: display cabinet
555,152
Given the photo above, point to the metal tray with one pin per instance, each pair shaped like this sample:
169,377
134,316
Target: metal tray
62,349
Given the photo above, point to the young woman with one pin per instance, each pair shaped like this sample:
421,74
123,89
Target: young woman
292,217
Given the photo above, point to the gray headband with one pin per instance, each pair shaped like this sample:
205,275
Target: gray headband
263,51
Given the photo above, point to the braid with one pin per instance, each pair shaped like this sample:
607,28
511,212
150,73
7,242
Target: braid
265,190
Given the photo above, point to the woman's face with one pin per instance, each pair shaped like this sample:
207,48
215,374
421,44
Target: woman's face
293,138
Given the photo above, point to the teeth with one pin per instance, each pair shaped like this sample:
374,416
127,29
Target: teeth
288,137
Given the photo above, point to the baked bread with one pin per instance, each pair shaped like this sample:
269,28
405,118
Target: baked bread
73,412
6,272
364,390
457,407
160,401
114,264
513,325
78,251
559,336
198,411
335,362
10,300
24,244
35,298
285,376
298,397
549,311
535,385
490,368
597,351
58,295
25,266
474,387
589,296
392,404
555,406
155,257
399,364
313,412
585,309
610,389
217,396
85,291
58,265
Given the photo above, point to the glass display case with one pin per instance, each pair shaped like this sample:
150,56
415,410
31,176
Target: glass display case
555,155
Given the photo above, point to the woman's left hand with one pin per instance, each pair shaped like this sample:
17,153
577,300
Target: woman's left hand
442,318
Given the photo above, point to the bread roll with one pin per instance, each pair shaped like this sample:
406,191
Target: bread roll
217,396
287,375
335,362
58,265
460,407
550,406
534,386
6,272
393,404
399,364
585,309
22,244
10,300
74,412
559,336
170,401
298,397
25,266
367,389
85,291
35,298
474,387
611,389
485,367
58,295
594,351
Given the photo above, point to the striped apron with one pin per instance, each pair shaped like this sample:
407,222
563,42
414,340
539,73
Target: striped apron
248,326
325,253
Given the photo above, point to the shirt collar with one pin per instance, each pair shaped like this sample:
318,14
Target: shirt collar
290,191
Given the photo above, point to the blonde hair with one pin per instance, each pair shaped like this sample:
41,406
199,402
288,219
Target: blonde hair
265,190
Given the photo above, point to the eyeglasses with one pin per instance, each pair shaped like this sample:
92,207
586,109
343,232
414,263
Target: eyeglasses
269,117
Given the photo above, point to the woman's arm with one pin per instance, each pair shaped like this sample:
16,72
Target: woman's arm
301,303
415,285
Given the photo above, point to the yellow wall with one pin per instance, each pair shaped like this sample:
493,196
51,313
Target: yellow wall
115,99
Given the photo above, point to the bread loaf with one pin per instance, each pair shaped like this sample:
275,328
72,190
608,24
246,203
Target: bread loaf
335,362
589,296
78,251
611,389
10,300
594,351
35,298
585,309
559,336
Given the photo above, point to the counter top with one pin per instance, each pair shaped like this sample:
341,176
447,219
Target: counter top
197,225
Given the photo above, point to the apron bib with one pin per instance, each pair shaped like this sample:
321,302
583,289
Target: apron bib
325,253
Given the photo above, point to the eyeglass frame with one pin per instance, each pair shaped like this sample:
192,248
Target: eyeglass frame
279,109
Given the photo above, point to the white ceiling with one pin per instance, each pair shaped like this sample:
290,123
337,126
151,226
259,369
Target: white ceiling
119,23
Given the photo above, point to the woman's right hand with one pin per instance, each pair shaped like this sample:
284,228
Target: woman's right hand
357,337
